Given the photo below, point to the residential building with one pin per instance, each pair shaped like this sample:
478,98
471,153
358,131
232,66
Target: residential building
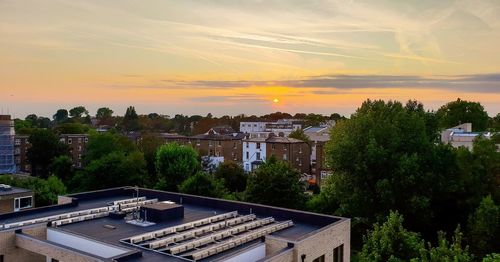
462,135
77,144
262,129
21,145
319,136
136,224
7,164
294,151
14,199
224,146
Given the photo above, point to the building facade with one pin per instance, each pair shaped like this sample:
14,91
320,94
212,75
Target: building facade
7,164
282,127
77,144
21,145
294,151
318,136
462,135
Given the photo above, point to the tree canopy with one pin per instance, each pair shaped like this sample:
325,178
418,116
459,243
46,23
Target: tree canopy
202,184
460,112
233,175
78,111
45,146
175,163
300,135
276,183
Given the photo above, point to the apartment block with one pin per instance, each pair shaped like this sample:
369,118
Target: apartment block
77,144
462,135
262,129
21,145
319,136
294,151
7,164
224,146
136,224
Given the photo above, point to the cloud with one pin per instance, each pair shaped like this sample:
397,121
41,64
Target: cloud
476,83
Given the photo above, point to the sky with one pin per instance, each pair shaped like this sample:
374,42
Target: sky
254,57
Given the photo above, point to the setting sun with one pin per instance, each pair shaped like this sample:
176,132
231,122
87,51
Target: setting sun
276,100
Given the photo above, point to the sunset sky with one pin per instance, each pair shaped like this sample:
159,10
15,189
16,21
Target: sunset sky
231,57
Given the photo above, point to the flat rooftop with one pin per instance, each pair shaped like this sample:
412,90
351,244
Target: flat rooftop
12,191
114,230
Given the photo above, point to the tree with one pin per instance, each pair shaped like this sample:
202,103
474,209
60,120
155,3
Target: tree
104,112
148,145
131,119
62,167
100,145
45,146
484,228
460,112
493,257
233,175
391,242
446,251
78,111
300,135
112,170
276,183
175,163
383,159
203,185
71,128
61,115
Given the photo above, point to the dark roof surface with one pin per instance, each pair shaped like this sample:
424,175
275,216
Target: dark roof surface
13,190
195,208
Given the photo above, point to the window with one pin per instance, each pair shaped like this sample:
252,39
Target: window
86,140
79,164
70,141
21,203
284,147
63,140
197,142
79,148
338,254
257,155
217,154
17,151
273,146
17,142
320,259
284,157
79,156
300,150
235,145
246,144
210,143
247,155
258,146
79,140
219,143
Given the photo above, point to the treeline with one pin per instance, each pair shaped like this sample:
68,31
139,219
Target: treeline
78,120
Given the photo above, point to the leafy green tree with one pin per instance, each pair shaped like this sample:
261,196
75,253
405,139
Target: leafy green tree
104,112
102,144
71,128
276,183
44,122
495,123
61,115
446,251
131,119
175,163
62,167
460,112
112,170
391,242
233,175
300,135
22,126
202,184
484,228
78,111
148,145
45,146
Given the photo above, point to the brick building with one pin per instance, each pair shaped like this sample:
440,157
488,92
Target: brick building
318,136
77,144
100,226
294,151
21,145
227,146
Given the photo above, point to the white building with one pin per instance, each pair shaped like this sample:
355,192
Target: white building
462,135
254,153
262,129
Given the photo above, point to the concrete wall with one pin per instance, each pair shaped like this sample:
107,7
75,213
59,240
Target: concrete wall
7,201
11,252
